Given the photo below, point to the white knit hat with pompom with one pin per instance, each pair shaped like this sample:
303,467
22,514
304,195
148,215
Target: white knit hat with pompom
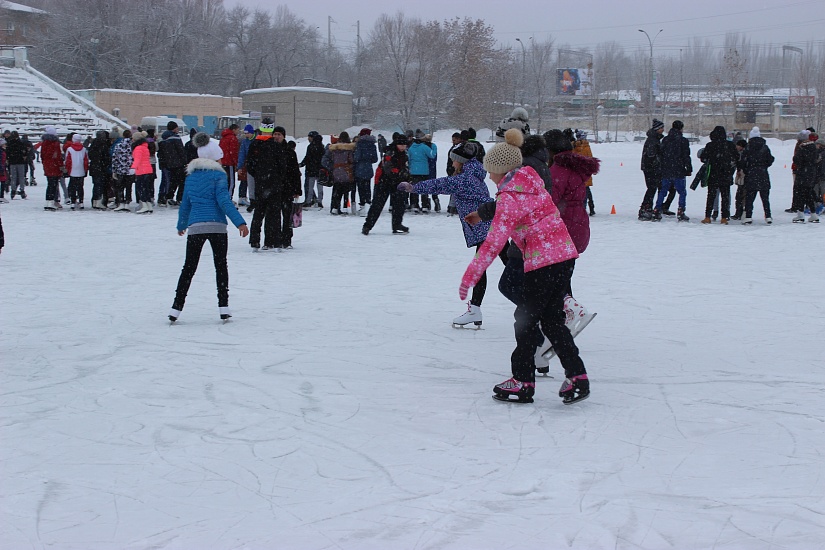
505,156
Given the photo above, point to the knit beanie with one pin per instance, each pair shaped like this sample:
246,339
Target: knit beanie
365,132
557,142
657,124
201,139
248,129
279,130
754,133
678,125
77,138
803,135
266,126
505,156
51,130
464,152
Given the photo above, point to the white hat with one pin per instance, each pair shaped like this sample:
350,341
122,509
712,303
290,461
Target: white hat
210,151
755,132
51,130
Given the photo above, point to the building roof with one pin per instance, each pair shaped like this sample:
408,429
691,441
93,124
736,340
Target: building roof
166,94
14,6
296,89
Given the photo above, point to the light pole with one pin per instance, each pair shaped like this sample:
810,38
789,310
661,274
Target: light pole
650,80
95,42
523,67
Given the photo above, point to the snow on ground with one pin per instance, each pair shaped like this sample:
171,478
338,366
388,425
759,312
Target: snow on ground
339,410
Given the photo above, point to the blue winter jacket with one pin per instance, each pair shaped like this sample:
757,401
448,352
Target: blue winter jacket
419,154
242,152
206,196
366,154
470,191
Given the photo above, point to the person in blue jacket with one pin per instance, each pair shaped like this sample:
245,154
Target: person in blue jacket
203,210
366,155
420,154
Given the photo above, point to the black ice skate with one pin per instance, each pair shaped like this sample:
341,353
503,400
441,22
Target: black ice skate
574,389
514,391
681,215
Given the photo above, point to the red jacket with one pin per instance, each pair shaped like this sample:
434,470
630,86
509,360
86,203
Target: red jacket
77,160
230,147
51,155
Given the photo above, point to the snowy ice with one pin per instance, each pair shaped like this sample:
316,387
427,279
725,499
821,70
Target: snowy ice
339,410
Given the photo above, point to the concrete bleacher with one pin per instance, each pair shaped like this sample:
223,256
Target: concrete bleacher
29,101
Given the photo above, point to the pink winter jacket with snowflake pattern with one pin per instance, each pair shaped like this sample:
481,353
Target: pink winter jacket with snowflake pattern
526,213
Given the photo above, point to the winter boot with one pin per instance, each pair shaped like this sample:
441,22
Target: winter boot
706,220
800,218
574,389
472,315
514,391
724,221
680,215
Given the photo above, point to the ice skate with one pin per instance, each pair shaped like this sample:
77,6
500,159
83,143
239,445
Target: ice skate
173,315
225,314
50,206
800,218
768,221
401,230
680,216
542,364
362,211
814,218
576,320
471,317
514,391
574,389
747,221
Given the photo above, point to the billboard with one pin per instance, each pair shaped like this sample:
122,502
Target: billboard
573,81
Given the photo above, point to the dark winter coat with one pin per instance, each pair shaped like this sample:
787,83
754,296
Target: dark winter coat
570,173
807,168
51,155
450,167
16,151
366,154
312,158
100,161
652,155
339,161
171,153
191,151
382,145
394,167
676,156
756,158
274,167
722,156
469,190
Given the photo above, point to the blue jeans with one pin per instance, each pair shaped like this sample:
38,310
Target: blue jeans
667,183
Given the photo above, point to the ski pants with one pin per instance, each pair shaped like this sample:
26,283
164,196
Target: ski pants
715,191
542,302
76,189
667,185
384,191
194,245
764,195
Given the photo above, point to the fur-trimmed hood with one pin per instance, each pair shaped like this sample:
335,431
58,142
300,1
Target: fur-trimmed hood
342,146
203,164
582,165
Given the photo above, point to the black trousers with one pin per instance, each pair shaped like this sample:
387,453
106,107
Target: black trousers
274,214
177,177
542,302
384,191
339,191
724,191
194,244
653,184
76,189
51,187
764,194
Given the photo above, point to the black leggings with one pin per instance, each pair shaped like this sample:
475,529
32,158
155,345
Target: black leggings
194,244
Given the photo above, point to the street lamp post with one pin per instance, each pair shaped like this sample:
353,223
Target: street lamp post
523,67
95,42
650,80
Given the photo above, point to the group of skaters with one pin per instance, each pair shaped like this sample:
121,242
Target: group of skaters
728,161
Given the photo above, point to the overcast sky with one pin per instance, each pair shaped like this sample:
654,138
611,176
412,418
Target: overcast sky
585,23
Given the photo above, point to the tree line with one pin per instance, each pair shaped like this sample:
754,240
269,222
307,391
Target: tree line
405,71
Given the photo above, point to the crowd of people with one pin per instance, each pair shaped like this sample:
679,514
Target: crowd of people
728,161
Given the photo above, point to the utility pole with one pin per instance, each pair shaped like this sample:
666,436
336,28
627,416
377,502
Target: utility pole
523,68
358,71
329,34
681,84
650,80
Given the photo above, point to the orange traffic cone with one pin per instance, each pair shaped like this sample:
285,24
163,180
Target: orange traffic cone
613,210
621,164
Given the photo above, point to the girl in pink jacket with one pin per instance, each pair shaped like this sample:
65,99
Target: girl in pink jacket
526,213
142,169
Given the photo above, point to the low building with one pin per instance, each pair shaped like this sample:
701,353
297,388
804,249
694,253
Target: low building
199,111
18,23
301,110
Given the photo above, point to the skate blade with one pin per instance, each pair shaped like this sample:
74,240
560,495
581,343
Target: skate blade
468,326
576,400
505,399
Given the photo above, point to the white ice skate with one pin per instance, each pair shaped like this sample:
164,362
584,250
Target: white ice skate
471,317
576,319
